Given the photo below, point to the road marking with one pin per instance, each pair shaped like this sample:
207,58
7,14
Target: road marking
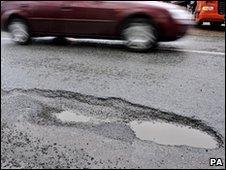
195,51
167,49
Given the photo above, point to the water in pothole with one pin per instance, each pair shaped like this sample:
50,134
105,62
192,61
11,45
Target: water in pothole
72,116
170,134
159,132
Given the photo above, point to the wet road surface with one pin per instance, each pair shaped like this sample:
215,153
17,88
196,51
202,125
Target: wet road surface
181,82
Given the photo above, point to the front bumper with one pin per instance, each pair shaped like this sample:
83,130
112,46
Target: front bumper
210,17
173,30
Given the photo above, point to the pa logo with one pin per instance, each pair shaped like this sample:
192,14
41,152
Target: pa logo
216,162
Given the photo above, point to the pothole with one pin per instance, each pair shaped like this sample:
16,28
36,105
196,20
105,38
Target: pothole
171,134
117,115
72,116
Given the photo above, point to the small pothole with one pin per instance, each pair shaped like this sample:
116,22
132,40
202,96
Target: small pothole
171,134
71,116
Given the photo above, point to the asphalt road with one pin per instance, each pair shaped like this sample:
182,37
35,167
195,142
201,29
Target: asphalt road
180,82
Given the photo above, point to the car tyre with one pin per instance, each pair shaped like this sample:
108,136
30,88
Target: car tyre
215,24
139,35
199,24
19,31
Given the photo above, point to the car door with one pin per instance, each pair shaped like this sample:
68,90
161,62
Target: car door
92,18
46,17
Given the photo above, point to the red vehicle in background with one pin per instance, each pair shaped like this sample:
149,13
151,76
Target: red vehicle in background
140,24
210,11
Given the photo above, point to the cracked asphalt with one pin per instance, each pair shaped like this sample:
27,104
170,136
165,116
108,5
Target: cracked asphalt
181,82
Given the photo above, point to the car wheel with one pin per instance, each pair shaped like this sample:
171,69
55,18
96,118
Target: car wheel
19,31
199,24
215,24
140,35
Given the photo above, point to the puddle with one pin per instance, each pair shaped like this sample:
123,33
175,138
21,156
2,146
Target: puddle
169,134
72,116
159,132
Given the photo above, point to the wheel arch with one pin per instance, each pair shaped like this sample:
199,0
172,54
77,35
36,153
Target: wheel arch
16,16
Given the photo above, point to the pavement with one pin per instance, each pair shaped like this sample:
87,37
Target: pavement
181,82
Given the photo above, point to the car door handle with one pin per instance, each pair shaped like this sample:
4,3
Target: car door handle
66,8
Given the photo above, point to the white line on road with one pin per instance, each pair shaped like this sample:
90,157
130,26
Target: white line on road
177,50
195,51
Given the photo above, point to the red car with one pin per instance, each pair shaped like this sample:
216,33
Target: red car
140,24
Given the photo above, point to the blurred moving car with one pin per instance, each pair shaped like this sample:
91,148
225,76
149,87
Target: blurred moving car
189,5
180,3
210,11
140,24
